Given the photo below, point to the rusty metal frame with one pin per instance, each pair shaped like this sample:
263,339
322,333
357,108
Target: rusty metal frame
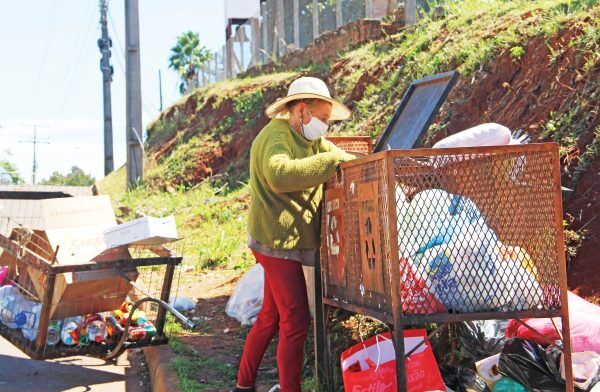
39,349
327,299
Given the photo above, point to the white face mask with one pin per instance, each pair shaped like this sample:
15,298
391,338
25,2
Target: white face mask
314,129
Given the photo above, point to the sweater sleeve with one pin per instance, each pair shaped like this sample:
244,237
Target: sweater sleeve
285,174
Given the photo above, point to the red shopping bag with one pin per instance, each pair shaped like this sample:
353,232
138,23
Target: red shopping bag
370,366
414,291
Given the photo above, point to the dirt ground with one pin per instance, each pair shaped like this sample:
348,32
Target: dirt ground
220,338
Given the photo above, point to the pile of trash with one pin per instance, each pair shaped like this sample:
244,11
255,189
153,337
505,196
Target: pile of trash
493,356
19,313
445,242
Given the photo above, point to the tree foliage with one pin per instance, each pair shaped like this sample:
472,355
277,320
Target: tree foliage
9,173
187,58
77,177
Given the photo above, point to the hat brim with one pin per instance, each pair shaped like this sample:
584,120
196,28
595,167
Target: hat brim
278,108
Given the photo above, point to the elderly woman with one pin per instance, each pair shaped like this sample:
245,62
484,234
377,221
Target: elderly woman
289,161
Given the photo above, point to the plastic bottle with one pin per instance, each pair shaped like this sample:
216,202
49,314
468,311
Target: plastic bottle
138,333
69,334
96,331
121,317
28,318
18,312
82,335
139,317
8,297
7,312
113,328
54,330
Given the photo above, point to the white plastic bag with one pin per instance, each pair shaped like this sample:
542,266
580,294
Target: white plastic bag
247,298
585,367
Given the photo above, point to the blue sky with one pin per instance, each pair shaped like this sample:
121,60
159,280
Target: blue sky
50,75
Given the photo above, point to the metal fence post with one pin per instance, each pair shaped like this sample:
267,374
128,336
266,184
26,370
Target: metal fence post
296,23
315,18
229,51
410,11
338,13
255,33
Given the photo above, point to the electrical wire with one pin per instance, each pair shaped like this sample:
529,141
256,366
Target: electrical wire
49,32
73,72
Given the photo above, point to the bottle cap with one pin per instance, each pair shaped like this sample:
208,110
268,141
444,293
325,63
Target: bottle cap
20,319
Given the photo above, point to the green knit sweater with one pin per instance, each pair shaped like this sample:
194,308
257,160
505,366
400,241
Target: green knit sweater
286,176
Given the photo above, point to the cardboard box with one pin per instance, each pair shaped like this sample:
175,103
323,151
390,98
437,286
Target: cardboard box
143,231
72,233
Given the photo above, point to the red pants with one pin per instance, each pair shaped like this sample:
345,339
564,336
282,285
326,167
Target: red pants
285,308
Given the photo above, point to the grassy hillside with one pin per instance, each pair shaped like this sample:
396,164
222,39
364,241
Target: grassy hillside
525,64
533,65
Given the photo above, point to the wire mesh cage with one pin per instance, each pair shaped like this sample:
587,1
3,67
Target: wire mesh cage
449,231
64,293
446,235
360,144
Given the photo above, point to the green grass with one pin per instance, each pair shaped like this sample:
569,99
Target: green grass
212,221
471,35
211,215
210,218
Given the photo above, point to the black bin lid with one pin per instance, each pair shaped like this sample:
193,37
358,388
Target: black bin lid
416,112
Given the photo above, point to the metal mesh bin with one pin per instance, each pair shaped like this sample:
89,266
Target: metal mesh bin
446,235
49,309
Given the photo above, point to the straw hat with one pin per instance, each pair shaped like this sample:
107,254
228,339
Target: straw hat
306,88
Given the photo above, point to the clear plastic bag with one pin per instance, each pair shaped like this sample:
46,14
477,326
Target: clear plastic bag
247,298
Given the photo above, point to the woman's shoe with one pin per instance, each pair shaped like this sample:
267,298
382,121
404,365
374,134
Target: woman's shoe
236,389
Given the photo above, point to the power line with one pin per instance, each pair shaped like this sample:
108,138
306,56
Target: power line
83,51
42,65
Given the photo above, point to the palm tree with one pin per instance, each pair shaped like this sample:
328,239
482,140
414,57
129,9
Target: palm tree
187,59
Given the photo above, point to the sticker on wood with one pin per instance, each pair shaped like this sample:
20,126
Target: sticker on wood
370,241
336,257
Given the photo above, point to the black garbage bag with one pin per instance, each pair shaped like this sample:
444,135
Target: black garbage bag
474,344
462,378
530,365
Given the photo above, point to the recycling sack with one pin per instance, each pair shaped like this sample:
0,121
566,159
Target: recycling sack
371,365
415,292
246,301
584,321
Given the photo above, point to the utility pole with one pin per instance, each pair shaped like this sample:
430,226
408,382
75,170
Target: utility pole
105,43
160,89
135,158
35,141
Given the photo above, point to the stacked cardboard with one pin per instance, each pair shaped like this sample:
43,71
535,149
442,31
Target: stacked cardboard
71,232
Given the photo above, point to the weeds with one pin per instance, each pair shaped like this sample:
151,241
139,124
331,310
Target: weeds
517,52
